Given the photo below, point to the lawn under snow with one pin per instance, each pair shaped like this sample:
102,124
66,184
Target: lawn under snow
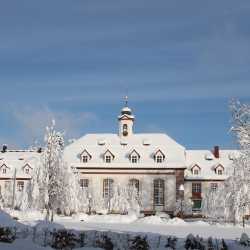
152,226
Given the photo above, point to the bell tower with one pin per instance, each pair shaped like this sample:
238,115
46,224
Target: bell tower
126,121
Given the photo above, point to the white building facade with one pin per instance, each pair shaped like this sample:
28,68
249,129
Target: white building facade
155,164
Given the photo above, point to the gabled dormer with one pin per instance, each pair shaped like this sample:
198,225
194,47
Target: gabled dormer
219,169
134,156
108,156
195,169
27,168
159,156
85,156
4,169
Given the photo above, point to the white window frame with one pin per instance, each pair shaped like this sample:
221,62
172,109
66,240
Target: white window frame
20,186
220,171
196,171
159,192
159,158
108,158
84,183
135,183
214,186
134,159
108,186
85,158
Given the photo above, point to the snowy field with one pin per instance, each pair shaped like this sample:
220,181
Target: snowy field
152,226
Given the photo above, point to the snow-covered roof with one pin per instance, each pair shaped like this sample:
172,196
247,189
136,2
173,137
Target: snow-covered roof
174,152
208,164
19,160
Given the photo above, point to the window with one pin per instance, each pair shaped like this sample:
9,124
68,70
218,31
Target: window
134,183
125,129
84,183
159,186
196,187
27,170
134,159
214,186
108,158
196,172
196,205
108,188
4,170
20,186
219,172
84,158
159,158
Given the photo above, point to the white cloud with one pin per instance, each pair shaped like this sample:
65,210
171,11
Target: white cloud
33,122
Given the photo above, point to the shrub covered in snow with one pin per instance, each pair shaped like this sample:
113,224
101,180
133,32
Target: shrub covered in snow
139,243
244,240
63,239
7,234
105,243
171,243
194,243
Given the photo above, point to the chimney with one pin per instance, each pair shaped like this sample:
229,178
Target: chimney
216,152
4,149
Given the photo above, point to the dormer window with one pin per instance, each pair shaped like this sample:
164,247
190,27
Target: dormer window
27,168
85,156
134,157
159,157
219,169
4,169
108,157
195,170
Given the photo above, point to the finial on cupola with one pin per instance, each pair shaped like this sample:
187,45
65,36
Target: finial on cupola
126,101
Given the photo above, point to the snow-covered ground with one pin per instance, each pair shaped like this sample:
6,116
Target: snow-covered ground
152,226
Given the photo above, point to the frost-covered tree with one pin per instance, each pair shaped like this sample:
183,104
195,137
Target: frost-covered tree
51,174
119,202
232,200
183,206
8,194
134,198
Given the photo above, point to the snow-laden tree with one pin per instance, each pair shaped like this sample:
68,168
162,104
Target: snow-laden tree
183,206
51,174
232,200
74,198
134,199
119,202
8,194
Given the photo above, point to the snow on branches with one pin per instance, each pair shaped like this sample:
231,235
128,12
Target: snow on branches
232,200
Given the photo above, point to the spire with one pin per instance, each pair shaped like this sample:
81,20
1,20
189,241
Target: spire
126,101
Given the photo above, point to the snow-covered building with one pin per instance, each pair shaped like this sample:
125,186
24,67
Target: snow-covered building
16,167
161,169
155,163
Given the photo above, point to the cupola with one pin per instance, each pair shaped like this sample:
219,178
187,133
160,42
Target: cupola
126,121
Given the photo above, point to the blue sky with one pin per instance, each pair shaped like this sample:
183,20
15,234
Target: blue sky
180,62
